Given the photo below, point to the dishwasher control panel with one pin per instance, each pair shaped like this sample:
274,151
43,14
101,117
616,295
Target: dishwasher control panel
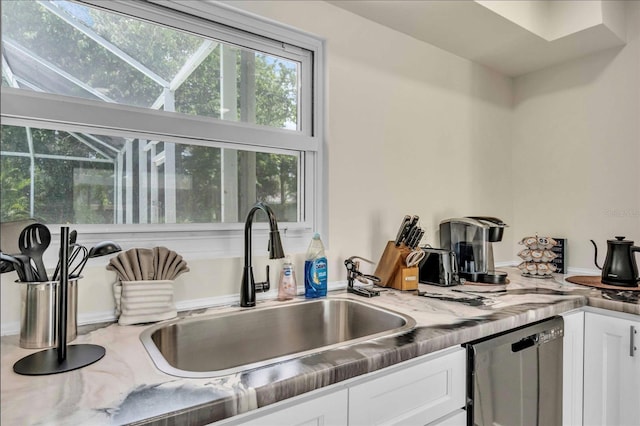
551,334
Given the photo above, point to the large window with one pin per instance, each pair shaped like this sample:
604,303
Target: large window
80,178
172,118
75,50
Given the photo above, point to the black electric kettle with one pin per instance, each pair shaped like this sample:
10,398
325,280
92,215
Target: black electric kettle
620,266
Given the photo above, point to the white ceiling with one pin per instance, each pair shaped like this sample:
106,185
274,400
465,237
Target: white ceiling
512,37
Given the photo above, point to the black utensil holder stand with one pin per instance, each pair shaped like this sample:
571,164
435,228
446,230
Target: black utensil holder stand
62,358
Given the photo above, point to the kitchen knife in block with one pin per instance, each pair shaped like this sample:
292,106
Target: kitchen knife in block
406,279
391,261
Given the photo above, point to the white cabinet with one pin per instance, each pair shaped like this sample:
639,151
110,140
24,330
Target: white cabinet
601,384
429,390
457,418
572,368
326,410
611,370
416,395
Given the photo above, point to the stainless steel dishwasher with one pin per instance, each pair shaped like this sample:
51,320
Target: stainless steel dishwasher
515,378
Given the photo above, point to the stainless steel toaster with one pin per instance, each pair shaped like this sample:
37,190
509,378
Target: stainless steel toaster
439,267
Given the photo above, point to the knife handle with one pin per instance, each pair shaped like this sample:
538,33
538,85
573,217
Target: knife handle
416,241
402,232
412,236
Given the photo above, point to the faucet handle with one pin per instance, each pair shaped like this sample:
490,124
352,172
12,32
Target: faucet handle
265,285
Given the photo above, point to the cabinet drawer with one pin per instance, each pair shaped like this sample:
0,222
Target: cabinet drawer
457,418
326,410
417,394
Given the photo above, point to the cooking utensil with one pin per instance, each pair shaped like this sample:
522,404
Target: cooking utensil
75,250
414,239
73,236
412,225
33,241
103,248
417,239
6,266
620,266
79,253
413,233
414,258
481,292
404,227
15,264
30,274
471,301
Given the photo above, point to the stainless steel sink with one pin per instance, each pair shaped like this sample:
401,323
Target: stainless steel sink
227,343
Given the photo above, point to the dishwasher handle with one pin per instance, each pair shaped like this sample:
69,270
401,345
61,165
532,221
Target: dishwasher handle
525,343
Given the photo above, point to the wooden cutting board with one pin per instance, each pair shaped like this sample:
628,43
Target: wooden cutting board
596,281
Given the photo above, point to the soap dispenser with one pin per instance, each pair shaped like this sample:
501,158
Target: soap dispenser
287,286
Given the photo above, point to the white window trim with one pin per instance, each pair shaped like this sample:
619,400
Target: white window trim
199,240
45,110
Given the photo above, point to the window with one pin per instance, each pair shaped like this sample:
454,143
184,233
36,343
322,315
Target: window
131,118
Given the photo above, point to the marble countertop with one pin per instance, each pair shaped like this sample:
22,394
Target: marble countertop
126,387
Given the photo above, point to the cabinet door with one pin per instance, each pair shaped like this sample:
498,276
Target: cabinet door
572,368
611,371
457,418
326,410
413,395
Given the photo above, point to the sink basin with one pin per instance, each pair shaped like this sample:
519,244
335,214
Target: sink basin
228,343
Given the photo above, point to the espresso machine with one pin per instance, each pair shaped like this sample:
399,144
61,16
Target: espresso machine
471,239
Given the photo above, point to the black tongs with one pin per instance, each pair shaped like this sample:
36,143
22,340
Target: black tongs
477,300
353,273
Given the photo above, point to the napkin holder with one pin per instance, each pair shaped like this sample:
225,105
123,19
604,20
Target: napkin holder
144,301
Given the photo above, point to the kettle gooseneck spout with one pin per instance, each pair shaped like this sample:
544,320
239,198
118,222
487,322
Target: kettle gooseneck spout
595,256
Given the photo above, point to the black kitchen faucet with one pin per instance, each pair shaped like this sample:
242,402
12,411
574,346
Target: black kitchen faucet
248,286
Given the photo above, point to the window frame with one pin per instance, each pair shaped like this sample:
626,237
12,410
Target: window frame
58,112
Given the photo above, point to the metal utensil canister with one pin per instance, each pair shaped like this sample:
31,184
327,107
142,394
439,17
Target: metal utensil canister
38,313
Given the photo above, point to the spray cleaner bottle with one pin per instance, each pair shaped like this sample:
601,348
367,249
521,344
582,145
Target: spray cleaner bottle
315,270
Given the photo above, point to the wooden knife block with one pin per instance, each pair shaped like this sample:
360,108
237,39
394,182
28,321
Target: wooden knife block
406,279
392,269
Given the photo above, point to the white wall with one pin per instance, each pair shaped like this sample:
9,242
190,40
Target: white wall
576,148
411,129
